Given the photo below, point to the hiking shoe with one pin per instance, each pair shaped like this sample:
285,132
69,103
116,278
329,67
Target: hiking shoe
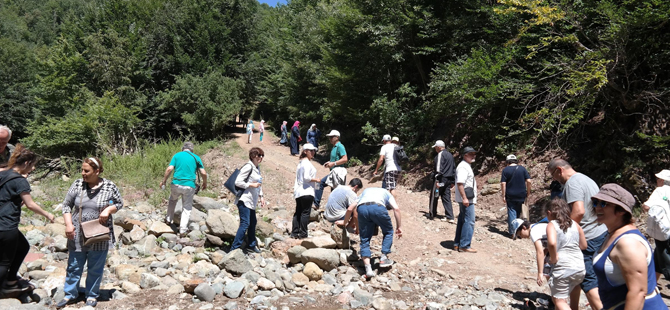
385,262
64,302
91,302
254,249
17,287
444,219
369,275
451,221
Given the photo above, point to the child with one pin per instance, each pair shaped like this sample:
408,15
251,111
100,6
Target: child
565,240
538,235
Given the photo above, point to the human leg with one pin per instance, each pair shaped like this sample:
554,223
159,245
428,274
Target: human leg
10,254
295,227
468,227
319,192
306,202
381,218
366,229
187,205
172,202
513,212
445,195
590,283
261,136
459,225
662,259
244,225
96,267
75,267
251,231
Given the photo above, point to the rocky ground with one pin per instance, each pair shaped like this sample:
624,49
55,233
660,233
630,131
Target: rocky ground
152,268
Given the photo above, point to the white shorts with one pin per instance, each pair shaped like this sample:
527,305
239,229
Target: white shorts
562,285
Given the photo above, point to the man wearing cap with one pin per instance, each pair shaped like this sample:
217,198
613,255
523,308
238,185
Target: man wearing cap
373,206
338,174
466,196
6,149
185,165
515,184
577,192
392,168
660,197
445,178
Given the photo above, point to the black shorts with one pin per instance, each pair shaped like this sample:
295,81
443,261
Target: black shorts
662,258
391,180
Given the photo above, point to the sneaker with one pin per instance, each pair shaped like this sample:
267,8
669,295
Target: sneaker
15,288
64,302
254,249
451,221
444,219
91,302
385,262
369,274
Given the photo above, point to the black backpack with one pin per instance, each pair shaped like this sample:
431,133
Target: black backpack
399,154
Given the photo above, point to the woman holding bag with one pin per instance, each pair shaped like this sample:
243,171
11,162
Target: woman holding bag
303,191
98,198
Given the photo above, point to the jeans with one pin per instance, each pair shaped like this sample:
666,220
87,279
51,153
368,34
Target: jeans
186,193
513,213
319,192
465,226
247,225
75,267
590,279
370,216
14,247
303,206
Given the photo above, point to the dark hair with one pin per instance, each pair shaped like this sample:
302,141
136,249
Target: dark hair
524,225
558,162
512,161
356,182
561,211
21,156
93,164
303,155
627,216
255,151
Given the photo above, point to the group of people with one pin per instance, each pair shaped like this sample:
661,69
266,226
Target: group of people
250,130
293,140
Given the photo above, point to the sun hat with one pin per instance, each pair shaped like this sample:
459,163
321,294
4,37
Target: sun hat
468,149
664,175
333,133
511,157
386,138
516,224
613,193
439,143
308,146
396,139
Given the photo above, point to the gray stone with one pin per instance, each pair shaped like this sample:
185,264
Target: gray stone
327,259
60,243
265,284
252,276
206,204
148,280
434,306
214,240
159,228
258,300
146,246
117,295
218,288
205,292
197,216
222,224
362,296
381,303
314,215
234,289
163,264
231,305
264,229
35,237
329,279
235,261
325,242
295,254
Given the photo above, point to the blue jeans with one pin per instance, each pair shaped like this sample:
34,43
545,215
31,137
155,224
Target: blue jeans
370,216
513,213
75,267
247,224
465,226
319,192
592,246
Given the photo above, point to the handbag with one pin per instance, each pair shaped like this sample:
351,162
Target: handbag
197,172
469,192
93,231
230,183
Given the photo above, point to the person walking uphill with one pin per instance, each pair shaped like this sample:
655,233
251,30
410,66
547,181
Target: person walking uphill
338,174
284,133
6,149
186,166
577,192
313,135
392,168
249,179
515,181
445,178
373,206
90,198
624,264
261,129
303,191
466,196
14,191
250,131
295,138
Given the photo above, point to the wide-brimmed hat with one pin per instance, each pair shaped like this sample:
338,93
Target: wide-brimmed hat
439,143
386,138
515,227
468,149
308,146
613,193
664,175
333,133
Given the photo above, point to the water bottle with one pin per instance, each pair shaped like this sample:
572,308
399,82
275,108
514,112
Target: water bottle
260,180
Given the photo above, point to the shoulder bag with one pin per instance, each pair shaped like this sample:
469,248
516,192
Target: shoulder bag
230,183
93,231
197,172
470,191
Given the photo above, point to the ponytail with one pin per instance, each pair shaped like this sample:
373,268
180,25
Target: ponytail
21,156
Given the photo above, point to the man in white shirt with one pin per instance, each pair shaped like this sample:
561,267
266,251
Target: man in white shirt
466,196
392,169
373,206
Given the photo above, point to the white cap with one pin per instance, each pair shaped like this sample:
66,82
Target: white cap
386,138
333,133
308,146
511,157
396,139
515,226
664,175
439,143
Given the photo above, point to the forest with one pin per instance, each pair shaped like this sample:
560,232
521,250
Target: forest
588,79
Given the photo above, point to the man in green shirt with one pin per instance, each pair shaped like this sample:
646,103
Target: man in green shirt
185,165
338,174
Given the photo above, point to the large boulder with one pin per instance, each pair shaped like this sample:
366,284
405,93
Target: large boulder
196,216
490,189
312,271
235,262
222,224
158,228
144,207
205,204
146,246
295,254
326,259
55,229
324,241
264,229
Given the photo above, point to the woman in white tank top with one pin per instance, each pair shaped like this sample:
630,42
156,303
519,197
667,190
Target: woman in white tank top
565,240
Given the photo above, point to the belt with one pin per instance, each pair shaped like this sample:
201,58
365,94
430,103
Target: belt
648,296
369,204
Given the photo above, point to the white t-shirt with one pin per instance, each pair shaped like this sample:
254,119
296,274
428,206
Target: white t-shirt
304,173
465,176
379,196
538,231
389,161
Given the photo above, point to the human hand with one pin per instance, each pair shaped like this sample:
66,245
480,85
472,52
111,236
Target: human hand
162,184
398,232
437,184
204,186
504,199
262,202
452,185
50,217
69,231
104,216
540,279
254,185
466,202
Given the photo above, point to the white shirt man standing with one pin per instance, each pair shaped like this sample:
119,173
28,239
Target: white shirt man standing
466,196
392,168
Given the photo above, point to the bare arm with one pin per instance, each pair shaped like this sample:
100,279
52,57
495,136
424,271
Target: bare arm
379,163
577,211
349,214
30,204
396,213
539,257
582,239
203,175
461,190
528,187
551,243
167,174
630,255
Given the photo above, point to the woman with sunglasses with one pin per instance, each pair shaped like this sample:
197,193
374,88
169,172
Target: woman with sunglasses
624,265
303,191
250,180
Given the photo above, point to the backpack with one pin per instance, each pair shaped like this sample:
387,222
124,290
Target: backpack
658,222
399,154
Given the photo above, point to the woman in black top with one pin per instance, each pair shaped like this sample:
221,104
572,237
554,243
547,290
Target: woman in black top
15,190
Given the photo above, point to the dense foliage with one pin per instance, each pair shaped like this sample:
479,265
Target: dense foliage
587,77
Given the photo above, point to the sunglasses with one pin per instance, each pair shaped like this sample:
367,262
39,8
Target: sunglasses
261,156
599,203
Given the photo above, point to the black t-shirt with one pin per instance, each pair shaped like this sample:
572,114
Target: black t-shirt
10,199
515,177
